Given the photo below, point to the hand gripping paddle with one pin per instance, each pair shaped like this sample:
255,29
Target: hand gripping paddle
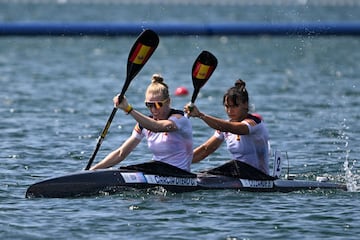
140,53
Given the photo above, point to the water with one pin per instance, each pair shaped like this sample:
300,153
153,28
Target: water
56,96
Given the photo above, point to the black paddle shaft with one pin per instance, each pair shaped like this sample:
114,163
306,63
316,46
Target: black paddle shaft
202,69
140,53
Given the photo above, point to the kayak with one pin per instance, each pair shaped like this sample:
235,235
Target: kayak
234,175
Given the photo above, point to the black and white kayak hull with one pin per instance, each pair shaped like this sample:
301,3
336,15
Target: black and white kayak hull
113,181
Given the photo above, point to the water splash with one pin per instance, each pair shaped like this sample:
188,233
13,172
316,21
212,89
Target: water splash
351,179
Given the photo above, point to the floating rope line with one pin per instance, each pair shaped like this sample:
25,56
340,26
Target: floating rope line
198,2
179,29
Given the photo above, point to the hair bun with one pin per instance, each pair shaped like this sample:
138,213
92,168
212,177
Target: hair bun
157,78
240,83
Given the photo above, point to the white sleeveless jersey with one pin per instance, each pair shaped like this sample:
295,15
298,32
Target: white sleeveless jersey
253,148
174,148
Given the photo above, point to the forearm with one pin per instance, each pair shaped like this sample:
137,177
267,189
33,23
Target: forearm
205,149
153,125
110,160
215,123
118,155
144,121
199,154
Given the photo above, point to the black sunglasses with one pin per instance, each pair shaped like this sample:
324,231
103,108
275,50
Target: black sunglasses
155,104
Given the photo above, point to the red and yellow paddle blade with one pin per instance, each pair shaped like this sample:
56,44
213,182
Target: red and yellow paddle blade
140,53
203,67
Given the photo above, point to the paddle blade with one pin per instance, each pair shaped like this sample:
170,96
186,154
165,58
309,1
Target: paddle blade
203,68
140,53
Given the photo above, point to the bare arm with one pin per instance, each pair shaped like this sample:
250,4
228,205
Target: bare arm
225,126
145,121
118,155
205,149
217,123
153,125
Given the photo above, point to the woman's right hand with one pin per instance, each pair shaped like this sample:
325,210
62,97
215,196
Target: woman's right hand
122,105
191,110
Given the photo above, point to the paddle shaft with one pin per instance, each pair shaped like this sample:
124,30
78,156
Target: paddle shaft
101,138
107,126
195,94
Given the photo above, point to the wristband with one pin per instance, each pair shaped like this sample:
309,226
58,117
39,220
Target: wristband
128,109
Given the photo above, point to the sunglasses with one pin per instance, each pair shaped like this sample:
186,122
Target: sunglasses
155,104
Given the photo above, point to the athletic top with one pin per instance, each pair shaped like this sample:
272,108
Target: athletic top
253,148
174,148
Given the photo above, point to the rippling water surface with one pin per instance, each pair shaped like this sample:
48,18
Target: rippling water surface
56,96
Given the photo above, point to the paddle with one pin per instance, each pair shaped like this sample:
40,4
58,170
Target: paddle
202,70
140,53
